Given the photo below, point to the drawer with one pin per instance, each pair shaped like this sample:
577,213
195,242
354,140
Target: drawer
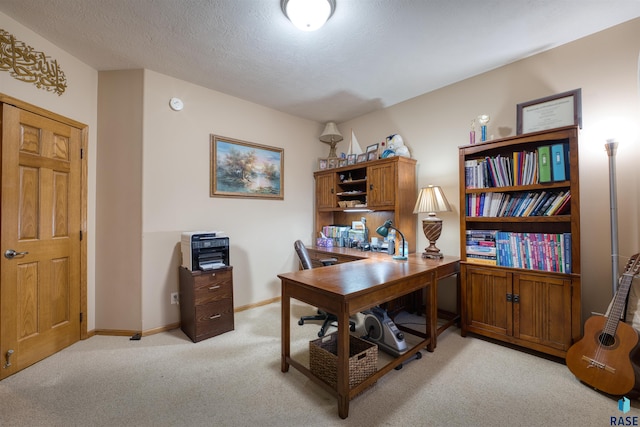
214,318
212,287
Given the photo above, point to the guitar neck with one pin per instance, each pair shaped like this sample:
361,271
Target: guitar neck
620,298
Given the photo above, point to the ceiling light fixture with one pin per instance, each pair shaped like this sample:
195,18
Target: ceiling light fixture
308,15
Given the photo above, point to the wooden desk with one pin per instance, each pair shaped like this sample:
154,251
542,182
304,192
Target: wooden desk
349,288
449,267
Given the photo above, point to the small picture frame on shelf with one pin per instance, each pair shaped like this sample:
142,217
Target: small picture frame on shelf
333,163
323,164
342,163
351,159
362,157
372,155
372,147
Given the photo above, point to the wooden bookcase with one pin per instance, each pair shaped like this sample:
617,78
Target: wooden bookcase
515,298
387,187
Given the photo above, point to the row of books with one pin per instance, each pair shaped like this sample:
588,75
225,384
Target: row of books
520,204
533,251
547,163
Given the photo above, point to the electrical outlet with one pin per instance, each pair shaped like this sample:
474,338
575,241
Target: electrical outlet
175,298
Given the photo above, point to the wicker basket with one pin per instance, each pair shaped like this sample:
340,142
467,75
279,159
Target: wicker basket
323,357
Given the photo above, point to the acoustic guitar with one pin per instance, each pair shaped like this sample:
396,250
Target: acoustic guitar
603,357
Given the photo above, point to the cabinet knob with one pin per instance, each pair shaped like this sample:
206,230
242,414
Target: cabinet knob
370,186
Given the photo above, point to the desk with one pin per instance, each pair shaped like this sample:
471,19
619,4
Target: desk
349,288
447,319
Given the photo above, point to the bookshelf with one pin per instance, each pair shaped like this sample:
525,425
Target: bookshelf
520,240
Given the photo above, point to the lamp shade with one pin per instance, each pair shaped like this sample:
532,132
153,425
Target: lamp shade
430,200
331,133
308,15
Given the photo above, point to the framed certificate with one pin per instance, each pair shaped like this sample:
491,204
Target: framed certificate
563,109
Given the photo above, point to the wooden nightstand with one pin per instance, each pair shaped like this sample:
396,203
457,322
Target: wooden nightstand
206,302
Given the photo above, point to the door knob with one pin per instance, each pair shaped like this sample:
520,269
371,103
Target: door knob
10,253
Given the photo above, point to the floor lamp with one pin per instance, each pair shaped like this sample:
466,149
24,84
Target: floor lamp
611,147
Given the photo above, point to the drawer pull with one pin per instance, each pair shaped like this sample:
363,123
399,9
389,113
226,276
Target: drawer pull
215,316
213,288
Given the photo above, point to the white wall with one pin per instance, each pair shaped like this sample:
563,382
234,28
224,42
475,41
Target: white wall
605,66
78,102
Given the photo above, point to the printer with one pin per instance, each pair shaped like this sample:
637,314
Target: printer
204,250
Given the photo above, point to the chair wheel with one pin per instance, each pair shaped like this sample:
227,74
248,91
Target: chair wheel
397,368
300,322
418,355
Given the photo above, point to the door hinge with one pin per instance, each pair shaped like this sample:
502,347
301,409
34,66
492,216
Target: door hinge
81,317
82,153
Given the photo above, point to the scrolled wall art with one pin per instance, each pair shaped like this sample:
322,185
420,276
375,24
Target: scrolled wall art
28,65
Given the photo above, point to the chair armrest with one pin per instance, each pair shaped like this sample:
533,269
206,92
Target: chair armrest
328,261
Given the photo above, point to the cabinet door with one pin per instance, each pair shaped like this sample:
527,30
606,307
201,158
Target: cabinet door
542,314
381,189
325,191
487,308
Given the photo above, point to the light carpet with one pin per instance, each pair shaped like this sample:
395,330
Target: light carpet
235,380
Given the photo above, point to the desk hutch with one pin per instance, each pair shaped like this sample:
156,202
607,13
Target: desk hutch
387,187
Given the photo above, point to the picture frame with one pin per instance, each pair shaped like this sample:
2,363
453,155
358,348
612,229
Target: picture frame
342,162
351,159
372,147
372,155
550,112
333,163
245,169
323,164
362,157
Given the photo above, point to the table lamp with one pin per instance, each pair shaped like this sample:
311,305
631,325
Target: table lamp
331,135
431,200
383,230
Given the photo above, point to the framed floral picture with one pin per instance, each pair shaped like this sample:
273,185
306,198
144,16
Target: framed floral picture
245,169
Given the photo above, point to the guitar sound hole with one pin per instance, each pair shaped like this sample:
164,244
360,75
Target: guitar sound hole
606,339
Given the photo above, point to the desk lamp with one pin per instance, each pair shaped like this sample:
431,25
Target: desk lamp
431,200
383,230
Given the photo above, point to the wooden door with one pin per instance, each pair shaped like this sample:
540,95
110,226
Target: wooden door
543,312
325,191
382,185
41,221
487,307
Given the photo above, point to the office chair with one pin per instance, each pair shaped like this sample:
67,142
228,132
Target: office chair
305,263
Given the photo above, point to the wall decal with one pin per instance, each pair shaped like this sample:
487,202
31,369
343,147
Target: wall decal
28,65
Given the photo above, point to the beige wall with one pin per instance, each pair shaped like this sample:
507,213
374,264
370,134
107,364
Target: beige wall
605,66
119,201
168,167
78,102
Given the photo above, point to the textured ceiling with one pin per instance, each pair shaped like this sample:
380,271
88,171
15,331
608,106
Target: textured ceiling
370,55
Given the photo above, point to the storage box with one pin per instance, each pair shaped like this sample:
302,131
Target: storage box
323,359
324,242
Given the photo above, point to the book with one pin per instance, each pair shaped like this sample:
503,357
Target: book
567,159
557,162
567,252
544,163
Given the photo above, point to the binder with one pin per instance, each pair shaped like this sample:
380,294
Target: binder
557,162
567,162
544,163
